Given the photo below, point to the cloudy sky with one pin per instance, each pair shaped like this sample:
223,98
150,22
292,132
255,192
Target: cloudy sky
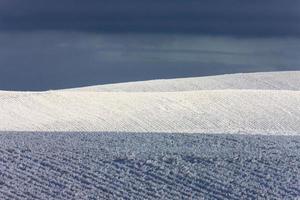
50,44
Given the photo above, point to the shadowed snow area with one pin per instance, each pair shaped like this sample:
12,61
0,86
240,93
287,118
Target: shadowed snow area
148,166
289,80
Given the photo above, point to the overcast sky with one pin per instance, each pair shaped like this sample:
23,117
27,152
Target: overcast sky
50,44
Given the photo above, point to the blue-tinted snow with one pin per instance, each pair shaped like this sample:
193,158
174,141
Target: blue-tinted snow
148,166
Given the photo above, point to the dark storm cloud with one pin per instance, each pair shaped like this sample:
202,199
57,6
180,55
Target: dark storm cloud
212,17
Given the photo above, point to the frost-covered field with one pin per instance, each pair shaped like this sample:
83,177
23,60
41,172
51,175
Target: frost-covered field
220,137
148,166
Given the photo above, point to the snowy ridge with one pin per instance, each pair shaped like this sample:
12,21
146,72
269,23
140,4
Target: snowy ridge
288,80
207,111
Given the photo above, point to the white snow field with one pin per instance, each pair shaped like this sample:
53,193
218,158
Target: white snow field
219,137
211,111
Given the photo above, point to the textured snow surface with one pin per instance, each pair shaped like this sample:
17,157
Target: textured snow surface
220,137
211,111
148,166
289,80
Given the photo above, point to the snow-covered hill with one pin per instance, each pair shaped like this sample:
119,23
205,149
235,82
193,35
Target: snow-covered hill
289,80
257,103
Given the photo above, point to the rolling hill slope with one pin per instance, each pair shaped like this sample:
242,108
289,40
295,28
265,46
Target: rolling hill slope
207,111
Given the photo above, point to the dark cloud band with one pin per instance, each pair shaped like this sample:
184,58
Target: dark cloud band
213,17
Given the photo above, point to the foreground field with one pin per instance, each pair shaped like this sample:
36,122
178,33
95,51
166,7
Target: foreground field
148,166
